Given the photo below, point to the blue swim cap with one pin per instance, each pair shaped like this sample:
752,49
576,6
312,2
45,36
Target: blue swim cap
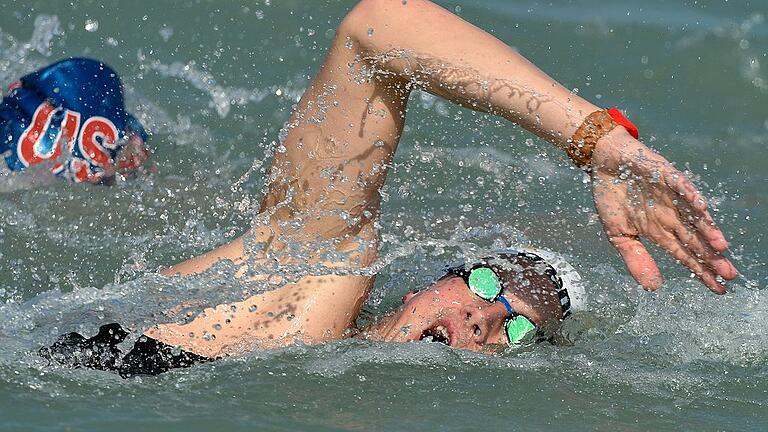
70,115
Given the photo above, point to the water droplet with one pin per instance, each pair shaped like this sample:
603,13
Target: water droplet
370,31
378,143
217,327
648,73
252,308
744,44
91,25
166,33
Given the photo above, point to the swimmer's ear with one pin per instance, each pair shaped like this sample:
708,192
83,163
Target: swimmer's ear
409,295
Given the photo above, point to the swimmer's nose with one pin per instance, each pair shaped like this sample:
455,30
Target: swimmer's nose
479,322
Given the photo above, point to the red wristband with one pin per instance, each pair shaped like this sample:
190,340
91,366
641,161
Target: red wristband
620,120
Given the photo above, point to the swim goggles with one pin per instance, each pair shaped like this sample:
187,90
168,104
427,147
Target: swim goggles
485,283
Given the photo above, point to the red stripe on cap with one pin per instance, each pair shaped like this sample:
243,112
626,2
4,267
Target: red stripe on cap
619,118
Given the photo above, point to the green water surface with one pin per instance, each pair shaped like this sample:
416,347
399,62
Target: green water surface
215,80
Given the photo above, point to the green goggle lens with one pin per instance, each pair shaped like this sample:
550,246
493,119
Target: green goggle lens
484,282
518,328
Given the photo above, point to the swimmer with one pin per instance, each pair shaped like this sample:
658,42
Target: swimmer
506,299
324,183
68,120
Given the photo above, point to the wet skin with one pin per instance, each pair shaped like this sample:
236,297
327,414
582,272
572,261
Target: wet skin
325,184
450,313
447,311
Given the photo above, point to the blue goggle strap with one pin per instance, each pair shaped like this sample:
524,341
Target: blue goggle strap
506,304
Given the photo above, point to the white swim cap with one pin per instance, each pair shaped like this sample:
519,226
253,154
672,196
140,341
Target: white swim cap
572,282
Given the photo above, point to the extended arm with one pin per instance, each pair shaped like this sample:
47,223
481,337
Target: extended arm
637,192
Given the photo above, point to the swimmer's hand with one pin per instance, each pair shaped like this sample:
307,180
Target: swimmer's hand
638,194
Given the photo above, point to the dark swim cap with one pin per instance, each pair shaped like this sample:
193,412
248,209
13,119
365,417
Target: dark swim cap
567,281
71,115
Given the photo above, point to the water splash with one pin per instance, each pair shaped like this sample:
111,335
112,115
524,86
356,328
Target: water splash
17,58
741,34
222,98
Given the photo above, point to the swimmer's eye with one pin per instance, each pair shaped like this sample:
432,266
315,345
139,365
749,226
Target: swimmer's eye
485,283
518,328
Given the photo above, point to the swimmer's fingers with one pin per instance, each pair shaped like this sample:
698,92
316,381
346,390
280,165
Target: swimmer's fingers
697,207
693,226
685,256
665,227
703,251
661,204
675,230
639,262
613,206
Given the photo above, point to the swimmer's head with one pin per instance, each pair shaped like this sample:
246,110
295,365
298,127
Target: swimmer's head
70,117
501,300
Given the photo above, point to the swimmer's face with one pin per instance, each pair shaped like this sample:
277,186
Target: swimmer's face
132,156
448,312
130,160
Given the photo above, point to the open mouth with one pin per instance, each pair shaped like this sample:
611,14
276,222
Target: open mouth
438,333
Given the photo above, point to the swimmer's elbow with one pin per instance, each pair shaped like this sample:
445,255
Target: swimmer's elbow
366,14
